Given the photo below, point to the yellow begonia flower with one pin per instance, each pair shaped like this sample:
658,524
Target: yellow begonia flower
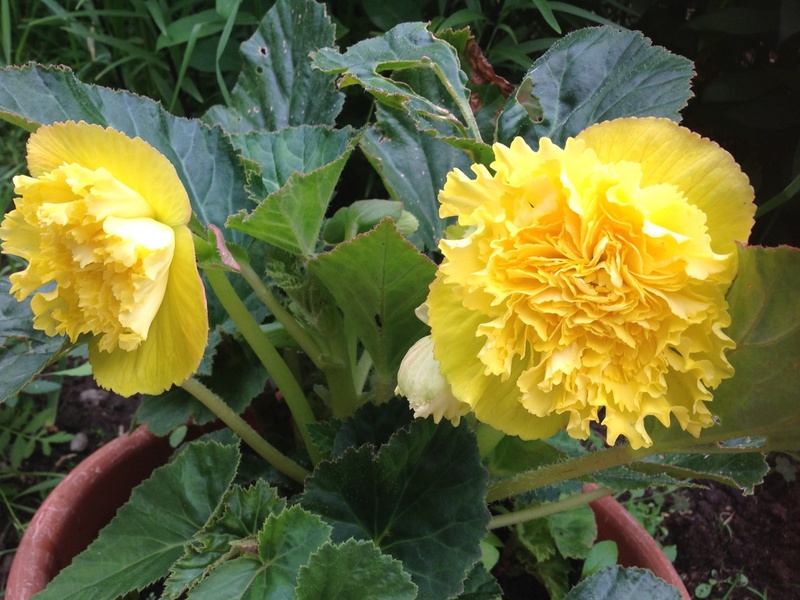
590,283
102,221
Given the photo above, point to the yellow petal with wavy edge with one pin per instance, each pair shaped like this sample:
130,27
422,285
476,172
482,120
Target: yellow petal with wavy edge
705,173
176,339
130,161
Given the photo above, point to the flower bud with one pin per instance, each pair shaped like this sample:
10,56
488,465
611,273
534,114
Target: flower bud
421,382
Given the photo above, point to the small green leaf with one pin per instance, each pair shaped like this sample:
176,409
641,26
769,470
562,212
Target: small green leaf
277,87
420,499
619,582
378,279
284,544
353,571
152,529
515,455
372,424
601,556
573,531
363,215
245,511
594,75
480,585
291,216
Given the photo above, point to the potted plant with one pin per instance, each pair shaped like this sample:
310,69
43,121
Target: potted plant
582,308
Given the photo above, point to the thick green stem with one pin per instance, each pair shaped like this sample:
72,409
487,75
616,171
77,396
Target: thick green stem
268,355
551,508
293,328
564,470
240,427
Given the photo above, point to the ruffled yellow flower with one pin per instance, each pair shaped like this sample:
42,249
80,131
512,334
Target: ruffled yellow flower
590,283
102,222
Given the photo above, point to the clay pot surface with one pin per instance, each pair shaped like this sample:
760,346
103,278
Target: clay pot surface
79,507
636,547
88,498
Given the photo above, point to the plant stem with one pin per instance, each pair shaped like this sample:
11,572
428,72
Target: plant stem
289,323
249,435
550,508
268,355
564,470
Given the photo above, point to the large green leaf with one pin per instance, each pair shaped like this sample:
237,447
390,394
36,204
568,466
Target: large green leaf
152,529
618,582
353,571
420,499
413,167
594,75
268,568
372,63
277,87
202,156
291,216
24,351
763,396
378,279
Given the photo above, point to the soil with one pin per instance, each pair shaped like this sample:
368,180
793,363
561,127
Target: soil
719,533
722,535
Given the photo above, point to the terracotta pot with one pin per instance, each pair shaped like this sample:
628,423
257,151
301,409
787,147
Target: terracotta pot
636,547
78,507
87,499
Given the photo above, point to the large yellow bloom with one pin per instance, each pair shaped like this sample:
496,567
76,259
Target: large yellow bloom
591,278
102,222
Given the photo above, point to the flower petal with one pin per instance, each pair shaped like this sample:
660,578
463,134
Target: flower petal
131,161
176,340
698,167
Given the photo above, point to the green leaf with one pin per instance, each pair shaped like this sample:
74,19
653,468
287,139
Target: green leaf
594,75
152,529
602,555
406,46
362,215
276,156
378,279
285,543
291,216
372,424
413,166
420,499
245,511
573,531
741,470
277,87
203,157
24,351
353,571
619,582
480,585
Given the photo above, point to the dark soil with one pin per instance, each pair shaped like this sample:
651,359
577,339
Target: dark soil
720,534
723,535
